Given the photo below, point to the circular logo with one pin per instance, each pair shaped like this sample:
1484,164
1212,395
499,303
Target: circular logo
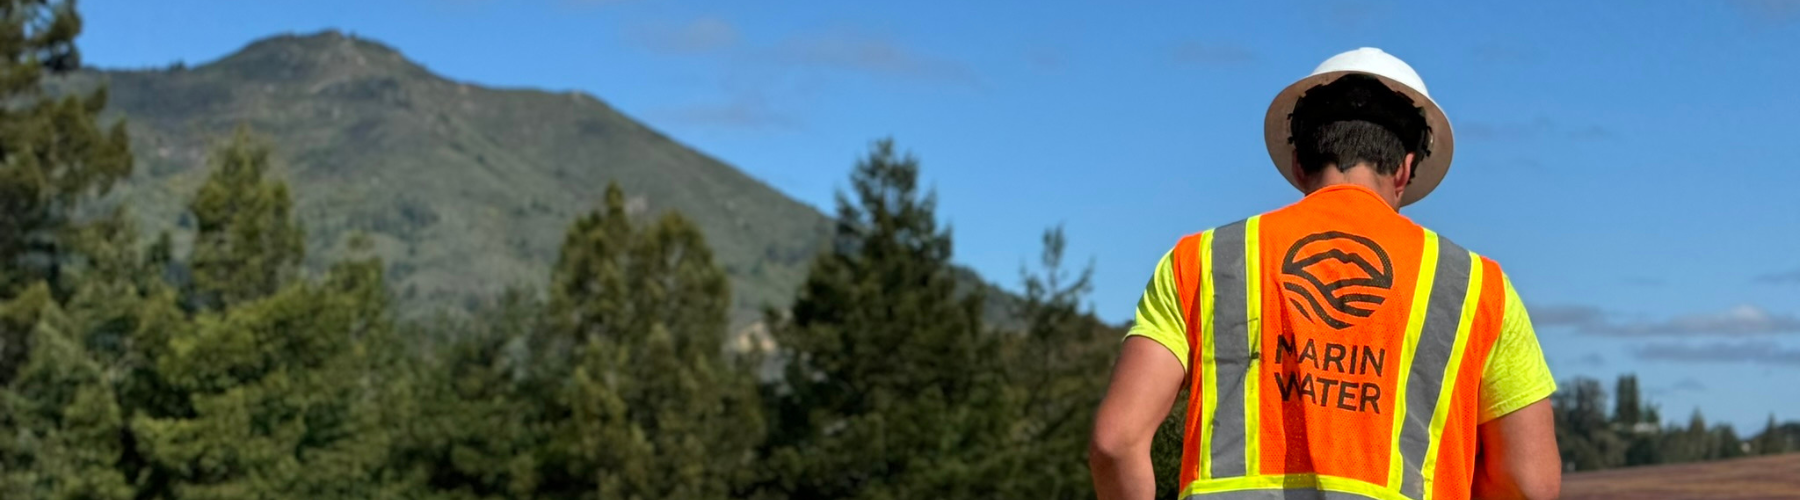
1336,278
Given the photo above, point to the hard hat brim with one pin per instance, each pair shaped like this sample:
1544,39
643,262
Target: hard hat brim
1426,175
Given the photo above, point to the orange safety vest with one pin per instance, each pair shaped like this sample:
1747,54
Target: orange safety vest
1339,355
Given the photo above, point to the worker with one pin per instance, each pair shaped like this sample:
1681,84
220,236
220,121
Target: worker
1334,348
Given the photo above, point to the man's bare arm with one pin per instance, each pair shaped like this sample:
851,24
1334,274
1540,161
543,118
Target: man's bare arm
1519,457
1144,384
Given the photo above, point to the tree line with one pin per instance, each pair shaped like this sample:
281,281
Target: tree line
1634,432
135,371
211,364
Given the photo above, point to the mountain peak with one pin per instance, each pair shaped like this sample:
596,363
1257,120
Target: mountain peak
328,54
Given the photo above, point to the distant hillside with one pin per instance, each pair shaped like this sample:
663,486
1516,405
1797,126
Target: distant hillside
465,189
1740,479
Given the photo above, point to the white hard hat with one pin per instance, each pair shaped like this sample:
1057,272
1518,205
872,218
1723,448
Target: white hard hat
1399,77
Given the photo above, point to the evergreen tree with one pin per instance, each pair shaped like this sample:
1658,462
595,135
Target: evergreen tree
481,422
122,311
282,405
59,416
54,156
618,387
1627,409
246,244
1726,443
275,385
1586,438
1054,372
588,286
1630,417
60,421
1770,442
889,388
656,410
1692,443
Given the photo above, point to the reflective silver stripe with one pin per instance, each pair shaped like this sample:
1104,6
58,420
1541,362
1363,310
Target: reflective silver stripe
1436,340
1231,350
1284,494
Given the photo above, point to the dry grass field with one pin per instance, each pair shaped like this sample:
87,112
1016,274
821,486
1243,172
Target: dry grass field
1741,479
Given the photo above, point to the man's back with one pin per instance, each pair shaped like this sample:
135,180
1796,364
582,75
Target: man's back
1334,344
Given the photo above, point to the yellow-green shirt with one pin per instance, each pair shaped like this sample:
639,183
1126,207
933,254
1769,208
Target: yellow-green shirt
1515,376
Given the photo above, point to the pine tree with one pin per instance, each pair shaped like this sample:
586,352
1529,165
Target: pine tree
588,298
60,420
1770,442
281,395
59,415
1725,443
246,244
1690,444
889,389
482,424
656,408
1054,372
1627,409
122,311
618,387
54,156
1585,438
276,384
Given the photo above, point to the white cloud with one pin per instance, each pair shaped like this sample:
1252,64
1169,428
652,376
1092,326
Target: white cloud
1758,352
1740,321
1211,54
705,34
742,111
1781,278
846,50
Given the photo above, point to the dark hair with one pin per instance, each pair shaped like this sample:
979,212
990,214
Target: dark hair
1354,120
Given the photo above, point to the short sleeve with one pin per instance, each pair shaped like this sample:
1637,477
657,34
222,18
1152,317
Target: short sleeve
1159,315
1516,375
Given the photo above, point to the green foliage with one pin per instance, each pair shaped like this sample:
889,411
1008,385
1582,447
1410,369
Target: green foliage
481,413
246,242
652,399
1583,430
619,386
888,382
1050,372
280,405
273,383
60,421
54,155
1772,441
1627,409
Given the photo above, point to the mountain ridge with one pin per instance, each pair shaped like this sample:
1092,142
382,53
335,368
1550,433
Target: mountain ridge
464,189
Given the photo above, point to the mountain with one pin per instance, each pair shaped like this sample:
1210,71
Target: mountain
465,190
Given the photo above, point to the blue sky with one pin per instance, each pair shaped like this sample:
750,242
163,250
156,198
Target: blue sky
1631,164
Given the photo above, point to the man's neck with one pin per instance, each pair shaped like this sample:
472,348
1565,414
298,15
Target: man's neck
1360,175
